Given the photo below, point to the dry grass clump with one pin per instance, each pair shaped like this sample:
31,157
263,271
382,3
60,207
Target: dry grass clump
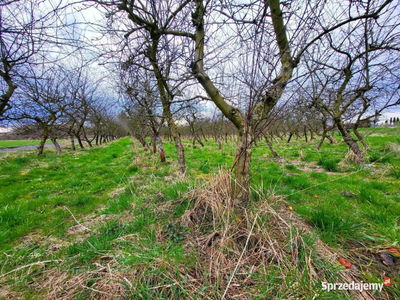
301,155
350,158
101,284
211,202
393,147
254,241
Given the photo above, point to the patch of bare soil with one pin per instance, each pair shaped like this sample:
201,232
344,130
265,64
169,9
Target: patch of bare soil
75,233
310,167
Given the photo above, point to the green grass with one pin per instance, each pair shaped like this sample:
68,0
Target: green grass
131,205
19,143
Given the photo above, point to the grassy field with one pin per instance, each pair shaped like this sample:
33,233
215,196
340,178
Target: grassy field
19,143
107,223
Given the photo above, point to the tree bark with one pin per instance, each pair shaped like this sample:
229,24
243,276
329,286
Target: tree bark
72,142
86,138
241,188
153,143
42,143
321,141
271,147
166,104
56,145
360,138
351,143
5,98
160,148
305,134
202,133
197,138
290,137
78,137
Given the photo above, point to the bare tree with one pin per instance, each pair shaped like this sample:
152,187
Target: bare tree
265,96
142,92
23,33
156,45
42,100
346,76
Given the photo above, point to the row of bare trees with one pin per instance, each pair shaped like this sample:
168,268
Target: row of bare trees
59,102
272,69
247,56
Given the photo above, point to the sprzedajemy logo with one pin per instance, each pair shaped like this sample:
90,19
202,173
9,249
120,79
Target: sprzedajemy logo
356,286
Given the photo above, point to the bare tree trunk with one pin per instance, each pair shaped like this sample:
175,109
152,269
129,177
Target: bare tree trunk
321,141
153,143
160,148
56,145
219,142
332,137
202,133
197,138
4,98
360,138
79,141
176,136
72,142
42,143
312,137
268,141
290,137
305,133
241,188
351,143
86,138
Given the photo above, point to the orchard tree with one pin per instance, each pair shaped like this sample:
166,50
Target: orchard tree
141,95
153,43
25,29
266,26
353,76
42,99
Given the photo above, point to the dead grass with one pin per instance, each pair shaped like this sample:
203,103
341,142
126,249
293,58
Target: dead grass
239,245
350,158
103,283
115,193
393,147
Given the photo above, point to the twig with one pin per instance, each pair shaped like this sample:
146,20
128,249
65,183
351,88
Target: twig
240,258
84,227
29,265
